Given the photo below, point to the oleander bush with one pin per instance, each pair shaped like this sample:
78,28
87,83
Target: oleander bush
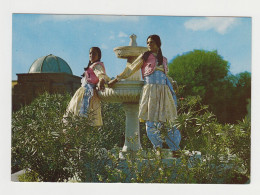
221,144
54,151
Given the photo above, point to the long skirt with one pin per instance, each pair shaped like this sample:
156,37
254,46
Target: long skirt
157,103
85,102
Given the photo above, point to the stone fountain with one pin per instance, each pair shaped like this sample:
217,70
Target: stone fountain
128,93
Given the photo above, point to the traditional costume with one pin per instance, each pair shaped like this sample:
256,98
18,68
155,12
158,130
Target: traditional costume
85,101
158,101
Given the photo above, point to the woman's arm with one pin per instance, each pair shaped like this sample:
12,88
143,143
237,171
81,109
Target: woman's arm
128,71
131,68
103,78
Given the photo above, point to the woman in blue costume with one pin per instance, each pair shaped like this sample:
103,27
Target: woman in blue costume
158,103
85,101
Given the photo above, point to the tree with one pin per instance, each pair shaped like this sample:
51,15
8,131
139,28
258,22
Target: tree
242,94
206,73
199,72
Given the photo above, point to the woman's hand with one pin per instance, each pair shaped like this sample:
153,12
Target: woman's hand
101,85
112,82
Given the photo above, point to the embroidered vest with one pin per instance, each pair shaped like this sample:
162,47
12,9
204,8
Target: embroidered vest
90,74
150,64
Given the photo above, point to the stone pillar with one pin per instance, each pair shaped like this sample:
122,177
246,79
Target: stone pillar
132,131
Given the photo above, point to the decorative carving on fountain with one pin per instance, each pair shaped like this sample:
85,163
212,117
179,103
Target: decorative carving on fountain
132,40
124,91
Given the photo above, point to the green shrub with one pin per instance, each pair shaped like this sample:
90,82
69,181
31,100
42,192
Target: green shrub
37,138
29,176
202,132
55,151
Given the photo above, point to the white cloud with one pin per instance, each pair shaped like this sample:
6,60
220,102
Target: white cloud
104,46
101,18
122,34
219,24
112,37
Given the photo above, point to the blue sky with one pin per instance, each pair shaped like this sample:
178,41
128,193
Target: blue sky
71,36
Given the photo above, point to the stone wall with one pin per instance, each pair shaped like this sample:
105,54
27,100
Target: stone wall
30,85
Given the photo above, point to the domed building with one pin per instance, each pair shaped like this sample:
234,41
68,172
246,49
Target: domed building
50,64
49,73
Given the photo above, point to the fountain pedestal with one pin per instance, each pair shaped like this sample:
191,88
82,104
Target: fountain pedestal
132,132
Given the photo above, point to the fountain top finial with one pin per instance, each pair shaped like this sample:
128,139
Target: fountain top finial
132,40
128,52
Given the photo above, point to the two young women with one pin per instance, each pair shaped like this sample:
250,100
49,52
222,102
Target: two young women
158,101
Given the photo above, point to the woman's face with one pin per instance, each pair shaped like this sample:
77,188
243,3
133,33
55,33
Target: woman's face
152,46
93,55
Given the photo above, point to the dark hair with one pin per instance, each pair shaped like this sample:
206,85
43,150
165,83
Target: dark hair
157,40
97,49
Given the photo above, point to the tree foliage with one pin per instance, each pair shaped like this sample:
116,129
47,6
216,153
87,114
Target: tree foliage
206,73
199,71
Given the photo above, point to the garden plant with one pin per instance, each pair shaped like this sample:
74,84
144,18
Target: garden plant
53,151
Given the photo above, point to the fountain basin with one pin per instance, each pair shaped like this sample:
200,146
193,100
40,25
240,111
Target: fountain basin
125,52
126,91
